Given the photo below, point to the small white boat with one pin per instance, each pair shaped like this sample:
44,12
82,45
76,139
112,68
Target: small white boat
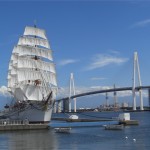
62,130
113,127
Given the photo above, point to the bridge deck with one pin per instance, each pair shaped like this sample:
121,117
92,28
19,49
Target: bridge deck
104,91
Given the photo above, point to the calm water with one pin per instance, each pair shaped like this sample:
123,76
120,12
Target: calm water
82,137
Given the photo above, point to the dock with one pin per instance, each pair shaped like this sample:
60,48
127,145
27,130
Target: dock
124,119
129,122
82,119
13,125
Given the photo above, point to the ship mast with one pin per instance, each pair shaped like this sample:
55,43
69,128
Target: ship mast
35,23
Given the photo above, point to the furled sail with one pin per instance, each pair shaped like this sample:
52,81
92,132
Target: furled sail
32,74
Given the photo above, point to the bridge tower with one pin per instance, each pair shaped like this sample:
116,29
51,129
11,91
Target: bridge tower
115,97
136,68
72,92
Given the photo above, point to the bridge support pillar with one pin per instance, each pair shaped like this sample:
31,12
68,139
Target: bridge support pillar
66,105
59,107
141,100
75,106
134,99
69,105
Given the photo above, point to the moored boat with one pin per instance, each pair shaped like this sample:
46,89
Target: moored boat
113,127
63,130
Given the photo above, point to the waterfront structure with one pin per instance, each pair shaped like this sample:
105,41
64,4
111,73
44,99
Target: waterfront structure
133,88
72,92
125,105
32,78
136,67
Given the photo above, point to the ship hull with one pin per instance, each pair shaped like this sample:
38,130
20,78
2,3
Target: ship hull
33,115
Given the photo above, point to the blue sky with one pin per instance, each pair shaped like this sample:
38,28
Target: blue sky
93,39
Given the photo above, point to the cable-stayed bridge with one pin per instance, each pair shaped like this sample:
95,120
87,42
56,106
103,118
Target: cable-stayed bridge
101,91
134,89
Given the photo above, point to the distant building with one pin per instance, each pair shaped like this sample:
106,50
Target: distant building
124,104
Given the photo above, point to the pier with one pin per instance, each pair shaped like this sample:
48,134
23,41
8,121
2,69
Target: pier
11,125
83,119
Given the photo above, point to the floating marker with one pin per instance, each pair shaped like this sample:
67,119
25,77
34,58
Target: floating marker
134,140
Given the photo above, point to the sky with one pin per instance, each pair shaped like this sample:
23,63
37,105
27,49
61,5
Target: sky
93,39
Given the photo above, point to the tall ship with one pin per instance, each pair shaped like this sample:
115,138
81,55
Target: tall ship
32,78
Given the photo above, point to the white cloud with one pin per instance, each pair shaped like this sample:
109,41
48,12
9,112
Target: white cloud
64,91
119,93
101,60
67,61
98,78
4,91
141,23
114,52
94,88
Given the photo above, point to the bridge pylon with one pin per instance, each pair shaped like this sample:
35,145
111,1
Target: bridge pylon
136,68
72,92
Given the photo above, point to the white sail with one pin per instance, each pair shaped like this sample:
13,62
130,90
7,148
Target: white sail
10,66
13,71
12,80
19,94
23,50
30,92
32,74
35,32
32,63
13,57
31,41
25,74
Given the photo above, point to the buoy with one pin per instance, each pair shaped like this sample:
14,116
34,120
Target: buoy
126,137
134,140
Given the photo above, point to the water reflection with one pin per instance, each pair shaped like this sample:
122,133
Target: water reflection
32,140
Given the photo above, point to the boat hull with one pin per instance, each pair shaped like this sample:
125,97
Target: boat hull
114,127
62,130
33,115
